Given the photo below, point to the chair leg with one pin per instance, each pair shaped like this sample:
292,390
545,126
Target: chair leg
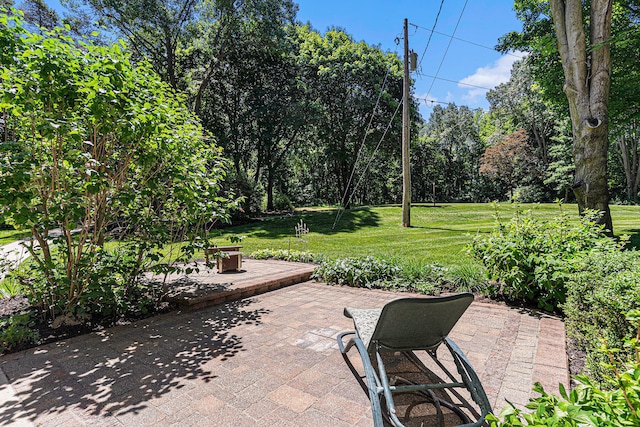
386,388
471,380
373,383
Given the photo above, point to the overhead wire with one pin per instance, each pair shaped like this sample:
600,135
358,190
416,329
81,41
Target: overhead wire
432,101
366,132
460,82
373,154
364,138
448,46
424,53
426,99
432,31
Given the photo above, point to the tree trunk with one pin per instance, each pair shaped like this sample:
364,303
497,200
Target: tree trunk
627,146
587,82
270,206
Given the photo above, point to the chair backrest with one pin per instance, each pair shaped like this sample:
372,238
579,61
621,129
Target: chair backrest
418,323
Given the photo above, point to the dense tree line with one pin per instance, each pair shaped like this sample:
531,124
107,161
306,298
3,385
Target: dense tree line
300,114
310,118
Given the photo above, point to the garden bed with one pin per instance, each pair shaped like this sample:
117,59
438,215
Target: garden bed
48,334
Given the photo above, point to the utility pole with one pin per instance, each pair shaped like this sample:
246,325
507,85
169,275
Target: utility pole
406,167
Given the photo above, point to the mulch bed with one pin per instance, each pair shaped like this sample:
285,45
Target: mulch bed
48,334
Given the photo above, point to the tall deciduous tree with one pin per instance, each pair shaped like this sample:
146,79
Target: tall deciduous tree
346,78
624,103
627,150
509,161
255,103
519,103
38,13
455,131
586,61
155,29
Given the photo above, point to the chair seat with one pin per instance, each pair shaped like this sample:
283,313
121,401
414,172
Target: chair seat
365,321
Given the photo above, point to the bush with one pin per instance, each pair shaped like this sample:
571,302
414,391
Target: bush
530,194
9,287
283,254
588,404
603,288
92,137
356,272
530,258
377,273
281,203
15,332
467,277
113,287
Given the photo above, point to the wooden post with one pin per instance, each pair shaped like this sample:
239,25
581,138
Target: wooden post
406,167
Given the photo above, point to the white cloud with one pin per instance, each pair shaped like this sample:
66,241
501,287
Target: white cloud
488,77
426,99
450,97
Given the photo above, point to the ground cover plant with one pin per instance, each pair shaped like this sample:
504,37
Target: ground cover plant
284,254
390,274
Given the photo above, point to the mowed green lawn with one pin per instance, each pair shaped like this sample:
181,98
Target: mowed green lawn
437,234
8,236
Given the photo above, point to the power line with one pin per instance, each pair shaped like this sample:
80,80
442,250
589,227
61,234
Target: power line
448,46
424,53
364,138
373,154
429,102
463,40
432,101
455,81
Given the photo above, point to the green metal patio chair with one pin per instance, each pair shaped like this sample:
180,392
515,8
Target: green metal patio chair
401,328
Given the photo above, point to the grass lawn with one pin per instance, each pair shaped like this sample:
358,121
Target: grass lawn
8,236
438,234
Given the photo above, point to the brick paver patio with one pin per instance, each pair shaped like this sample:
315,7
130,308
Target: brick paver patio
267,360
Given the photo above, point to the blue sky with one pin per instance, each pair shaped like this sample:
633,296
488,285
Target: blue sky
478,21
452,60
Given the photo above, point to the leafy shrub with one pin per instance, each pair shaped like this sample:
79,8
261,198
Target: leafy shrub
282,203
113,288
530,194
603,288
9,287
283,254
15,332
421,278
357,272
587,404
530,258
377,273
469,277
92,138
